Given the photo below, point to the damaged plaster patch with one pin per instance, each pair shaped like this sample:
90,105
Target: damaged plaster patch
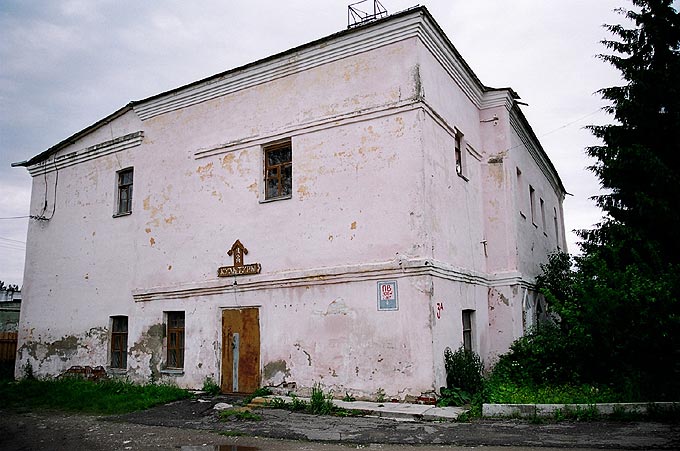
309,357
276,372
67,347
205,172
337,307
150,345
418,93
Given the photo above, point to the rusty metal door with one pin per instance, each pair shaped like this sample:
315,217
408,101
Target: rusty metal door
240,350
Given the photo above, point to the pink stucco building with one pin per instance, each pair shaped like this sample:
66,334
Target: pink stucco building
378,203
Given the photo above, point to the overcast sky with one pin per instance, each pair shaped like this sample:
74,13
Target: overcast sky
66,64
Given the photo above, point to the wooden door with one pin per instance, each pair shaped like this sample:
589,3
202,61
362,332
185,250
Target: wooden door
240,350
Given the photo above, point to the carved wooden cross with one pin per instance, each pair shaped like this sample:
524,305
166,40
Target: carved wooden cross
238,251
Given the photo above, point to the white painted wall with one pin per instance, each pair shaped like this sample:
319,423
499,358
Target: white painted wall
375,197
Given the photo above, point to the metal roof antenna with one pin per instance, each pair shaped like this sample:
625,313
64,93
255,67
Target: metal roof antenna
357,17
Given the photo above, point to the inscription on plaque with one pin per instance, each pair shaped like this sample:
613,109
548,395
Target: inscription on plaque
237,251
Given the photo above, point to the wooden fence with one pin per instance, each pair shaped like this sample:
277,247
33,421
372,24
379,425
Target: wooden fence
8,346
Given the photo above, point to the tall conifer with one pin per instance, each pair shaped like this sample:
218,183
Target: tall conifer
638,163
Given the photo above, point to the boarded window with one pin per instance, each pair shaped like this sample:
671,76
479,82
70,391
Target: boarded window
119,337
124,192
467,329
278,170
175,334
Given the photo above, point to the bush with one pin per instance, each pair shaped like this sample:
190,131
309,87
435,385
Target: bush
463,370
546,354
211,387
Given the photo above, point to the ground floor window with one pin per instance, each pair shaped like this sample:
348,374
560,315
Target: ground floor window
175,336
468,317
119,336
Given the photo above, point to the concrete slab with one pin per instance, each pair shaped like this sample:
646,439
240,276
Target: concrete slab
393,410
549,410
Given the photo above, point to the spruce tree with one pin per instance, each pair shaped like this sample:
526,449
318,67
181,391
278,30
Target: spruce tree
628,278
638,163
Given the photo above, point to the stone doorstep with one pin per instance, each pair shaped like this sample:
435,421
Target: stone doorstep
548,410
393,410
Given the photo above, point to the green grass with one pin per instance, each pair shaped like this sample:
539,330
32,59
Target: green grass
510,393
77,395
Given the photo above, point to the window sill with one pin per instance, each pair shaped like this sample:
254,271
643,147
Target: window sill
116,370
173,371
274,199
118,215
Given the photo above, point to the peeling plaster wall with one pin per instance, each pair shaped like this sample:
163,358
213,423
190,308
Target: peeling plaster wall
449,299
335,335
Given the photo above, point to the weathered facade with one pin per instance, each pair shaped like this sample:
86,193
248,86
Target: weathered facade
377,201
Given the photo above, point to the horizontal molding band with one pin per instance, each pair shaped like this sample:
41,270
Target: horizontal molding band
395,269
89,153
334,121
310,127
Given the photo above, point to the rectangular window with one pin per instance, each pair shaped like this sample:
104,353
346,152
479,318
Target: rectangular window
557,229
467,329
119,336
124,192
278,171
459,153
542,204
532,204
518,190
175,335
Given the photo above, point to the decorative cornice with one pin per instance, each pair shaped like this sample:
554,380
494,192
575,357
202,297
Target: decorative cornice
89,153
500,97
394,269
417,23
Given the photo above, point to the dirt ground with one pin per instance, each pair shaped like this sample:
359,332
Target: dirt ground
192,424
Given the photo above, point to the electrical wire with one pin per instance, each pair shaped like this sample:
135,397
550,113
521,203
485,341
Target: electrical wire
16,217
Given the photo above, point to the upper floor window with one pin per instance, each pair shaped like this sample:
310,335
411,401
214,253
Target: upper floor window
458,153
278,171
124,192
542,204
557,228
532,204
119,338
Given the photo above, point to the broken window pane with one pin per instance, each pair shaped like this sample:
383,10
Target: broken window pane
278,170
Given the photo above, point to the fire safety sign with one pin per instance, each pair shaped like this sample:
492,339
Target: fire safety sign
387,295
